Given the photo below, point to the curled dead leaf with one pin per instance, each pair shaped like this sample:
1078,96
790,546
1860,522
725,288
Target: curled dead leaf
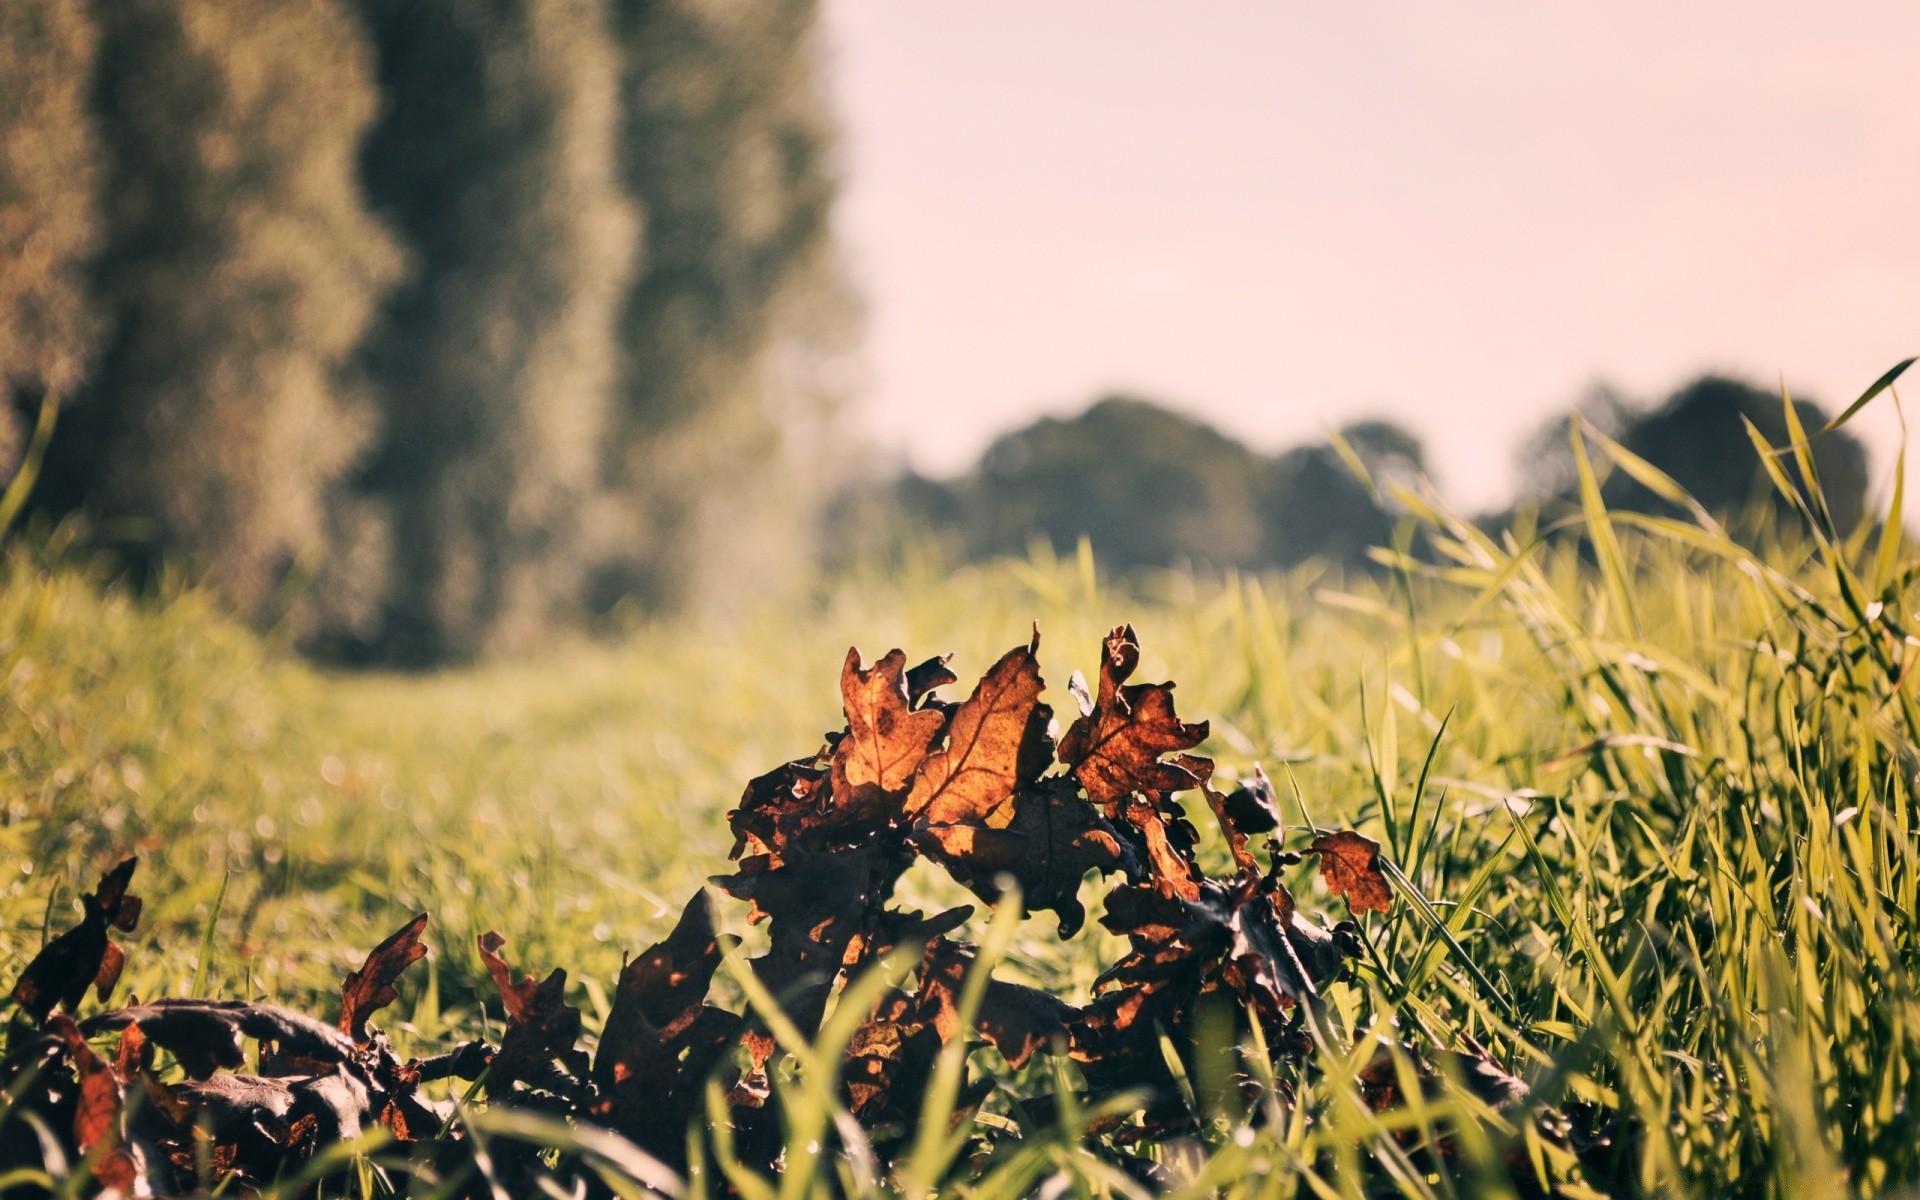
371,988
1115,749
84,956
1350,864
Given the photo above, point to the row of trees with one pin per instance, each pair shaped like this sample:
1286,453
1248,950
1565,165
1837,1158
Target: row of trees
417,322
1150,487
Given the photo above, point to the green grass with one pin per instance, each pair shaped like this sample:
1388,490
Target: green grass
1661,794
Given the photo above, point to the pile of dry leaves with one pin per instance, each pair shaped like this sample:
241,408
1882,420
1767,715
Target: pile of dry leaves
978,786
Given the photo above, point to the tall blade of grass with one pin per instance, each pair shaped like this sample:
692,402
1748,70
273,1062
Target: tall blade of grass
1803,457
1879,385
1770,462
1606,548
629,1162
1893,529
1426,910
14,498
935,1142
1652,478
207,937
1417,846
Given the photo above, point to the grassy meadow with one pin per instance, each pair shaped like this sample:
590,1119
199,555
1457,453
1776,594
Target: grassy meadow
1652,799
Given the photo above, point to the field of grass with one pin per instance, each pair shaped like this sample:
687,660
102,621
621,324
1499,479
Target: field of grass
1653,799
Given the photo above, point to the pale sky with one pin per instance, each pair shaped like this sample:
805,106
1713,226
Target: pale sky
1279,216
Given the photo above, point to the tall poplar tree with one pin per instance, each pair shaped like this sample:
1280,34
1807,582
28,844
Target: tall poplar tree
731,335
48,172
238,271
495,159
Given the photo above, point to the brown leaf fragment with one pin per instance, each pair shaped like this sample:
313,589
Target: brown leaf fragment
1252,807
1240,941
996,741
96,1114
541,1025
661,1039
1350,863
1247,810
1173,871
112,963
83,956
266,1124
1053,839
1014,1019
929,675
520,998
1019,1020
1384,1086
900,927
892,1052
886,738
208,1035
371,988
892,1055
818,904
670,978
132,1056
1267,937
222,1161
1115,748
783,808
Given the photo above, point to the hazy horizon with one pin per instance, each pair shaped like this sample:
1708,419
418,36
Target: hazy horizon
1279,218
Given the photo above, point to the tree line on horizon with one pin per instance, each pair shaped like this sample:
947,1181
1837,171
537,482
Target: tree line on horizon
1151,487
418,327
414,325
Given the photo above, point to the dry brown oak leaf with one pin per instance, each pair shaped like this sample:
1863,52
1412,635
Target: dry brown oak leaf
1115,746
83,956
96,1114
1049,842
370,989
886,739
540,1023
1350,864
996,741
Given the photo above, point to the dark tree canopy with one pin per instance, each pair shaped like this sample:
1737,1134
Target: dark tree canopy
494,364
238,270
1317,507
424,325
1150,487
1698,437
730,335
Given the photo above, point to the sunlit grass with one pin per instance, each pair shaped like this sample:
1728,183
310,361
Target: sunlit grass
1652,798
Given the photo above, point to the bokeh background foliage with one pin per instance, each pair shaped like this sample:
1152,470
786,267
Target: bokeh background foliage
1650,791
419,332
416,329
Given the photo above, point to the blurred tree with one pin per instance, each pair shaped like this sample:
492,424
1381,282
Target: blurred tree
1698,437
237,271
48,172
734,330
1543,462
496,159
1314,506
1148,486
